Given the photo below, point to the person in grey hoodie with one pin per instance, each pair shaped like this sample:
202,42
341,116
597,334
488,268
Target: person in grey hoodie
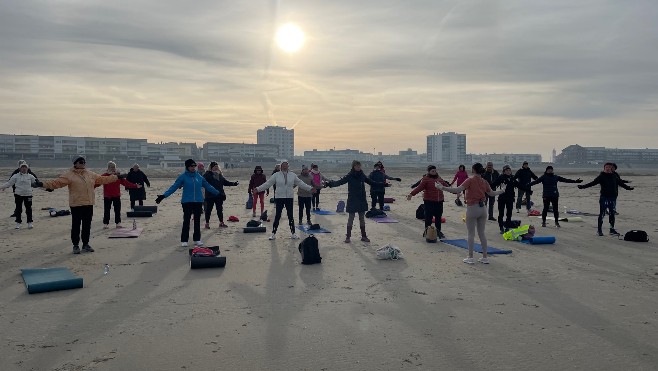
23,181
305,197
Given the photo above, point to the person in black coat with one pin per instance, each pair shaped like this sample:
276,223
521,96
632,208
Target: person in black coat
136,176
506,200
491,175
550,194
357,203
13,188
524,175
216,179
377,192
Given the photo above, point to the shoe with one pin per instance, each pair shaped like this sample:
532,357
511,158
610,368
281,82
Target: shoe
207,226
469,261
308,222
119,226
87,248
272,237
441,235
294,236
253,215
557,225
76,249
599,232
198,243
492,218
223,225
613,232
347,239
106,226
183,244
365,239
502,231
543,224
29,226
12,215
484,260
518,211
18,226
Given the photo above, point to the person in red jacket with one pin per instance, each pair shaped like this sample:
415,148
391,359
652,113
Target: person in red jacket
112,196
432,198
257,179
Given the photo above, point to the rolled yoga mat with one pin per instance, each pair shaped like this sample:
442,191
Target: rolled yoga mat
198,262
254,229
153,209
544,240
476,247
49,279
139,214
385,219
389,200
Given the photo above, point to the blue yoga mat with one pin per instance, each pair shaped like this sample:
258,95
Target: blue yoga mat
476,247
323,212
544,240
50,279
304,228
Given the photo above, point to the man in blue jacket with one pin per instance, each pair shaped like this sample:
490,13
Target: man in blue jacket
192,201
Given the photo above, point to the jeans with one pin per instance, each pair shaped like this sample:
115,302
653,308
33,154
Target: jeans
520,197
108,202
304,203
20,201
81,215
189,209
280,204
609,204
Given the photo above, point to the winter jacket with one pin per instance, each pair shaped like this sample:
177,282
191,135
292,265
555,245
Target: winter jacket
218,182
609,184
113,190
308,179
284,182
460,177
192,183
356,190
549,181
491,177
509,183
318,178
256,180
137,177
29,171
378,177
430,192
525,175
22,184
81,183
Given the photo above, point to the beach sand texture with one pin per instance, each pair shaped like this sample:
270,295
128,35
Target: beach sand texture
587,302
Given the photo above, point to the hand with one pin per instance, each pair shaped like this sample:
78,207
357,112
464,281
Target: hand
631,188
237,183
398,179
439,186
159,199
313,190
579,180
408,197
580,186
38,184
139,186
121,176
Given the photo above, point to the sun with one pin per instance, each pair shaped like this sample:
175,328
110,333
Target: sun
290,38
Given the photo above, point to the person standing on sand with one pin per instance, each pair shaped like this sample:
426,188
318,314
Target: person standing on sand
377,192
136,176
476,190
112,196
13,188
357,202
318,180
215,178
550,194
191,201
277,168
460,176
257,178
81,183
608,199
432,198
284,180
22,183
491,175
506,200
524,175
304,198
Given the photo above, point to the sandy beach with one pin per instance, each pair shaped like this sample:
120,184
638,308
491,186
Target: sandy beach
587,302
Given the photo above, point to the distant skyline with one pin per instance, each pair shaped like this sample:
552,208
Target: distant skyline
515,76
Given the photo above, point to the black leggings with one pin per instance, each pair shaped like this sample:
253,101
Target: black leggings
608,204
505,204
189,209
377,198
215,202
304,203
20,201
132,203
433,209
81,215
280,203
315,199
108,202
556,211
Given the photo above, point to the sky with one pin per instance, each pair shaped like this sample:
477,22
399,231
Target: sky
522,76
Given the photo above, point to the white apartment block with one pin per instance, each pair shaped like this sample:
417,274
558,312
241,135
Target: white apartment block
280,136
446,148
220,151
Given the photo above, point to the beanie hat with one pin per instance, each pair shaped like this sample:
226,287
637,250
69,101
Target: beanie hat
20,163
213,164
431,167
258,168
549,167
507,167
189,162
23,163
200,164
111,164
355,162
79,159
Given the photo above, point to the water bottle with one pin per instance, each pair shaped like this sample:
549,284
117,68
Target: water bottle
106,269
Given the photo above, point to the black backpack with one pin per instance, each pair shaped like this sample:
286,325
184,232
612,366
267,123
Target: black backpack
636,236
263,216
420,212
309,250
253,223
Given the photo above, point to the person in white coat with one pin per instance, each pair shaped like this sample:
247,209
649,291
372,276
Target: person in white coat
23,193
284,181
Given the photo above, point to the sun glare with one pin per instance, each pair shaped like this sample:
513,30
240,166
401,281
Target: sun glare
290,38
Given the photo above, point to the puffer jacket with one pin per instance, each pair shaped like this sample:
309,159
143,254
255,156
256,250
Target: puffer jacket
308,179
192,183
284,187
81,183
114,189
356,190
218,182
22,183
430,192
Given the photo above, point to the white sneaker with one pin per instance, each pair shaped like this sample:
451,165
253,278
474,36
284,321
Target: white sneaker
198,243
484,260
294,236
469,261
106,226
272,237
29,226
183,244
18,226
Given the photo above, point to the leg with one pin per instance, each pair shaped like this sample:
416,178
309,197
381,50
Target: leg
438,214
307,204
602,208
117,209
28,209
519,198
612,206
141,202
300,206
350,221
380,197
492,201
481,223
197,209
209,205
76,219
556,210
277,214
527,201
290,211
262,202
15,205
373,198
362,224
509,204
87,216
428,213
544,212
219,203
187,215
501,213
132,203
254,201
316,197
18,200
471,222
107,205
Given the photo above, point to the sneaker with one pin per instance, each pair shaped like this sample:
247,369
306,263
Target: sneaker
492,218
183,244
441,235
557,225
518,211
294,236
106,226
469,261
253,215
29,226
599,232
18,226
613,232
119,226
223,225
12,215
76,249
207,226
87,248
484,260
272,237
308,222
198,243
365,239
502,231
543,224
